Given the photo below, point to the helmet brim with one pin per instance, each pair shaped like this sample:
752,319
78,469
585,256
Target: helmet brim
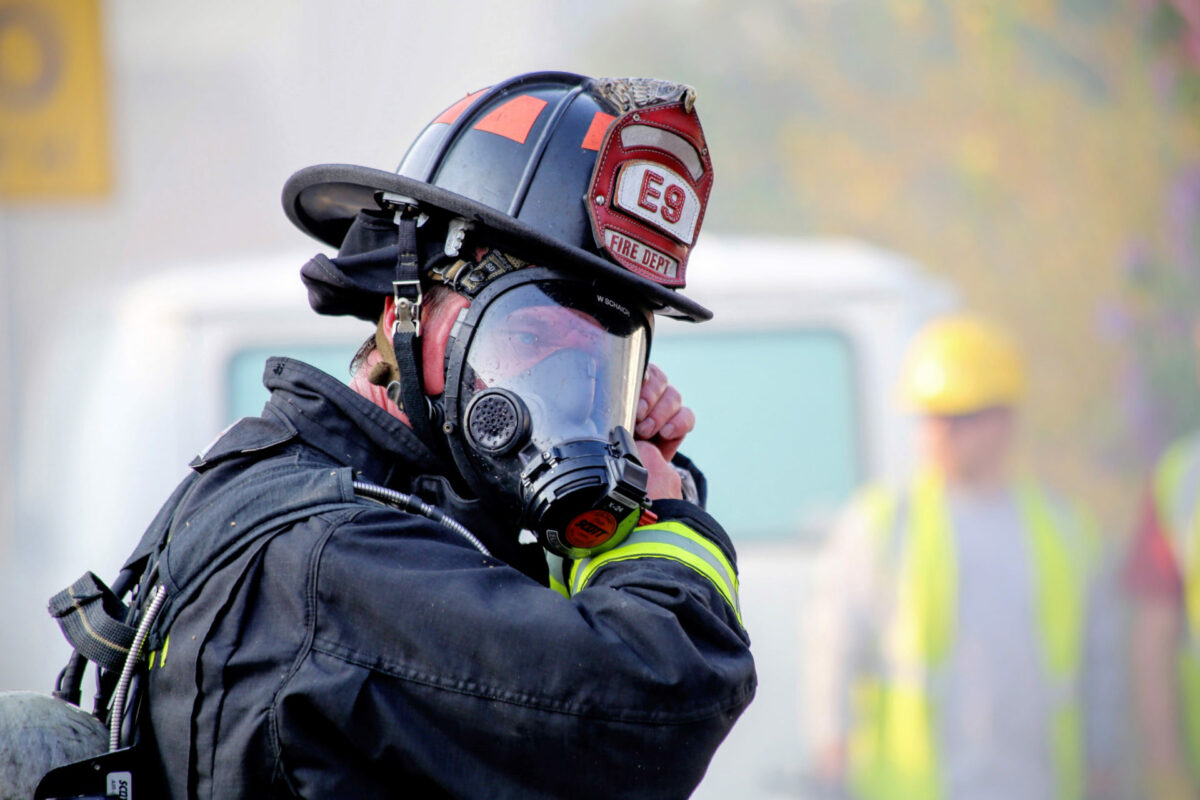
323,200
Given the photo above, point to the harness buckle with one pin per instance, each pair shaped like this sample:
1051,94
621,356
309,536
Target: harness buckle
407,297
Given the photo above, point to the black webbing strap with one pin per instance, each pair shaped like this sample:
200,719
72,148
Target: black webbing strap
92,619
406,335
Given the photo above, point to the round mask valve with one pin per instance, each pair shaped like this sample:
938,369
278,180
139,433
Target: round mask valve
497,421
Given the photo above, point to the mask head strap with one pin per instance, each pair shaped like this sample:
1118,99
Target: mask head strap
406,333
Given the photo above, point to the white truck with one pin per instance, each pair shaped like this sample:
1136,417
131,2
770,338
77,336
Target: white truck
792,385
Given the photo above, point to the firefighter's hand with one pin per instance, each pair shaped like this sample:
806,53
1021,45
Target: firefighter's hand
663,481
662,418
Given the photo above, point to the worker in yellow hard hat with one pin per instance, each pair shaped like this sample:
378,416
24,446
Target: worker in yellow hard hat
967,635
964,376
962,364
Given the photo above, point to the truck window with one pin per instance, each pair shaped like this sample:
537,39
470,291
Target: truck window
778,419
245,393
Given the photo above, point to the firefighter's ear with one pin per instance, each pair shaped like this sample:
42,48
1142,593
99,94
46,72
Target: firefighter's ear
435,336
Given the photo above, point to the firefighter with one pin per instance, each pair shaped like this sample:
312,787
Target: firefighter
482,569
968,603
1162,574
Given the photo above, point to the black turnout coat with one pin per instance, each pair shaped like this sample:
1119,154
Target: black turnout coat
317,644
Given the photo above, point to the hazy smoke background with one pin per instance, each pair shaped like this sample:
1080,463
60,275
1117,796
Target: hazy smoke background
1041,154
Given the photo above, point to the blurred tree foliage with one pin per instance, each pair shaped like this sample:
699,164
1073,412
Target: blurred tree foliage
1029,150
1158,315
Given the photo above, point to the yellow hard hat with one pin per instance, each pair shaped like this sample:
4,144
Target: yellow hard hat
959,364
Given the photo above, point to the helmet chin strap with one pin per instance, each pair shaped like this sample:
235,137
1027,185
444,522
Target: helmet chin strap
406,333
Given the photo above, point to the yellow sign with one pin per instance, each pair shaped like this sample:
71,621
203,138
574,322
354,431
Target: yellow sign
53,123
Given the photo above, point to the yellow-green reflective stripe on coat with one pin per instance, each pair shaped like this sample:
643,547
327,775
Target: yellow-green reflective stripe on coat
670,540
892,752
1177,504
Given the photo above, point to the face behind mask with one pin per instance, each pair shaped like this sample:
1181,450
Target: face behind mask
543,377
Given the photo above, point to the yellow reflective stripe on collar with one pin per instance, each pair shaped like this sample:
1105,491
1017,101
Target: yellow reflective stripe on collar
670,540
559,586
556,572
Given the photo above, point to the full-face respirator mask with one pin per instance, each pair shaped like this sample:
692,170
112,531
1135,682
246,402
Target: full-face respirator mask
543,375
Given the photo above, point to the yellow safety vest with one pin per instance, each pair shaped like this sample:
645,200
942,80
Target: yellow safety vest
892,753
1177,503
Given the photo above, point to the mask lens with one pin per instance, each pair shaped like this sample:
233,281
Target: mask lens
572,355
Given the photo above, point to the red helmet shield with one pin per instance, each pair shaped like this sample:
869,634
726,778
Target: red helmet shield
649,190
